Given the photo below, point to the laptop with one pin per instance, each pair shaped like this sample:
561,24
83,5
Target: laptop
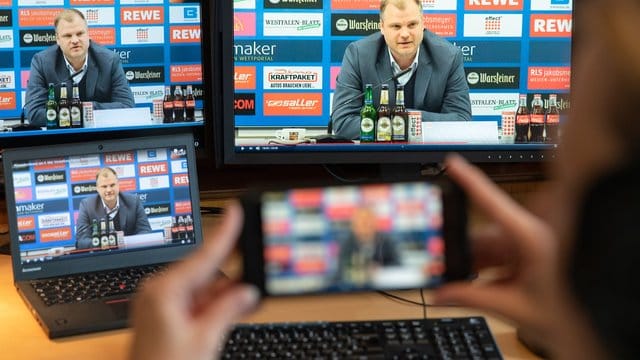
54,262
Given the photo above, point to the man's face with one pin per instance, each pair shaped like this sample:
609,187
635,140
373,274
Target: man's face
73,38
402,31
108,188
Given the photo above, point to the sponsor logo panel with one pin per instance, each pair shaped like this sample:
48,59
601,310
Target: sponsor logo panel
354,24
115,158
186,73
99,16
40,2
244,103
550,25
179,166
92,2
127,185
27,237
156,168
142,35
493,25
244,77
333,72
293,4
494,5
7,80
51,177
301,104
31,38
160,222
185,34
148,15
293,77
103,35
549,78
6,39
46,192
7,100
6,18
54,220
493,104
83,174
244,24
84,188
139,2
244,4
146,94
278,51
180,180
152,155
84,161
158,209
182,207
124,170
439,4
22,178
154,182
552,5
49,164
37,17
444,25
23,194
493,78
184,14
144,74
51,235
289,24
354,5
133,55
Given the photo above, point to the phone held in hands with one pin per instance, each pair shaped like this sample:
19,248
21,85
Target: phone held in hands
341,238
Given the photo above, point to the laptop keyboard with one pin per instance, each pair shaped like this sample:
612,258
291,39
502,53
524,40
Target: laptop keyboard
91,286
437,338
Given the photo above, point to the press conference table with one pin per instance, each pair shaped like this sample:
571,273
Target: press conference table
22,338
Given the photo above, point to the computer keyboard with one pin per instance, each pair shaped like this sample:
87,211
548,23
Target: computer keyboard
437,338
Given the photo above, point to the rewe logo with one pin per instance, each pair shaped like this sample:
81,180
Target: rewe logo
139,16
493,5
551,25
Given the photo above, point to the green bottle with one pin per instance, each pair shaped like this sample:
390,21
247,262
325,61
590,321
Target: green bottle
368,117
52,108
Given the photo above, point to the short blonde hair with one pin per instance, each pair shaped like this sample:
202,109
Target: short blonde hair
106,171
68,15
400,4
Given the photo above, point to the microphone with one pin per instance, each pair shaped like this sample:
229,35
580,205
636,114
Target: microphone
332,137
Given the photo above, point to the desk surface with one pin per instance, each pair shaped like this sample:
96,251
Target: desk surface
22,338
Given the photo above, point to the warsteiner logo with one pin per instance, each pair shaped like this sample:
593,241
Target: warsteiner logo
51,177
493,78
84,189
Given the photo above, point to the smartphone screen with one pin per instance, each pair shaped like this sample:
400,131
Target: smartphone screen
346,238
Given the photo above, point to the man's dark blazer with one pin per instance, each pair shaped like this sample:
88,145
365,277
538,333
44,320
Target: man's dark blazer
131,215
105,83
441,90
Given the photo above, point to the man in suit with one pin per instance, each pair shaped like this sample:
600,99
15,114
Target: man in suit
100,76
436,84
124,209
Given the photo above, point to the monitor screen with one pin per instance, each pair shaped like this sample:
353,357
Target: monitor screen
282,59
157,43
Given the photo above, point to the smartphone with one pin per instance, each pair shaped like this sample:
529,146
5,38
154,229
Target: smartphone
341,238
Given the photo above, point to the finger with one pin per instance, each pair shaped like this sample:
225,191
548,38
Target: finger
201,265
515,220
489,247
229,306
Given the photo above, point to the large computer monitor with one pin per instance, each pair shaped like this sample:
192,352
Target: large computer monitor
280,60
159,43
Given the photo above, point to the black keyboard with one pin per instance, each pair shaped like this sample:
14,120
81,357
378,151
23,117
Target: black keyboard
91,286
438,338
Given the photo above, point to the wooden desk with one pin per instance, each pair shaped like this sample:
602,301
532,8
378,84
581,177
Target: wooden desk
22,338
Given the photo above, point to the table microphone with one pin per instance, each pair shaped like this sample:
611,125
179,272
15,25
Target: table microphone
336,138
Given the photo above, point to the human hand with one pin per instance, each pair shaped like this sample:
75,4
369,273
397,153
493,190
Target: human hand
185,312
529,286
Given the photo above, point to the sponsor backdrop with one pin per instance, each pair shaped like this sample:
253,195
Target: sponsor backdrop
158,42
288,52
48,192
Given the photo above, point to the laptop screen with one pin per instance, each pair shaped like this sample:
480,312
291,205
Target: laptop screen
102,204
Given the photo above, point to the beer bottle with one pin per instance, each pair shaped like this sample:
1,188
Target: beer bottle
400,118
113,237
178,104
104,236
552,121
52,108
64,113
522,120
536,126
76,108
167,105
368,116
190,105
95,234
383,127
